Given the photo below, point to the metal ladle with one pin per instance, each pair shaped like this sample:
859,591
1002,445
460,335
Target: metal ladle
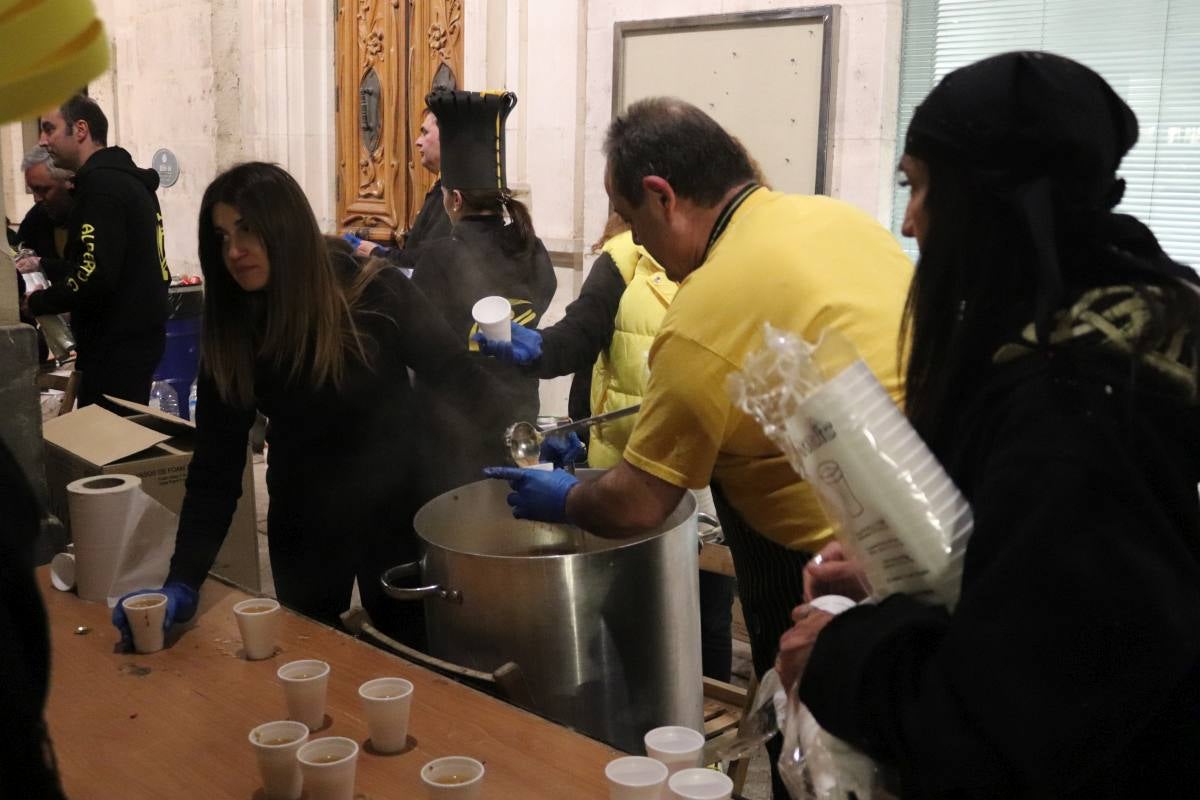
524,440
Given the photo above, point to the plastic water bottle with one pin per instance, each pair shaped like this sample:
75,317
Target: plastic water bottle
163,398
192,403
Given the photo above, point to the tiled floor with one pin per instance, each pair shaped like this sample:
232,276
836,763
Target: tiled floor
758,782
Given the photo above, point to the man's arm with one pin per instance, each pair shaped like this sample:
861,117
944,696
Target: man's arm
623,502
90,281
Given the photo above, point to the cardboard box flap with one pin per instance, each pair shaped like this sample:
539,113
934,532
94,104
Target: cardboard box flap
161,416
99,436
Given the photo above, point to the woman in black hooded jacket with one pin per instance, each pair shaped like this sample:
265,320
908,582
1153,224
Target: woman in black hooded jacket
1053,371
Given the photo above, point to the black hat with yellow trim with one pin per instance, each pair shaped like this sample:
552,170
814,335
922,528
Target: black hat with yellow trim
471,132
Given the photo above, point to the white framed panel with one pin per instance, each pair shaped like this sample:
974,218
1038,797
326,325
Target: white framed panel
766,77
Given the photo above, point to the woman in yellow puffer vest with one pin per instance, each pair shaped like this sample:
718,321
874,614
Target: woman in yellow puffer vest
609,329
621,371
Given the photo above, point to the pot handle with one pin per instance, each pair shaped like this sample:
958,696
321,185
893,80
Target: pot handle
414,592
714,535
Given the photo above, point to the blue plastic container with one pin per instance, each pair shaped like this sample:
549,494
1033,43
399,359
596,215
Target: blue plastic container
181,358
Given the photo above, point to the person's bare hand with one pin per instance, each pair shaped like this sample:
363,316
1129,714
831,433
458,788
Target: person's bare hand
795,646
365,248
831,572
29,264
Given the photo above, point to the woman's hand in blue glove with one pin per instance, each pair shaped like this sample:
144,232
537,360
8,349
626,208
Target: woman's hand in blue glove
182,601
525,347
562,450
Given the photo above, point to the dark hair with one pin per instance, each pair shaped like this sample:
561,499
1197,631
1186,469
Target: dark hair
975,289
301,322
674,140
501,201
1022,151
81,107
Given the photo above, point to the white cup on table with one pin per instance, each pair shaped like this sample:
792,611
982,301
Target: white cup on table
275,745
387,702
62,571
700,784
258,622
304,686
635,778
453,778
328,765
676,746
145,614
493,315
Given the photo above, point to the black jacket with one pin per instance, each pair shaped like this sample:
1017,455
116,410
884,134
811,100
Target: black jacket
480,259
430,225
27,758
114,276
573,344
1071,666
37,233
343,461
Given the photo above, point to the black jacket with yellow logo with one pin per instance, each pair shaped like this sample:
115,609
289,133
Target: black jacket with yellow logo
113,277
481,257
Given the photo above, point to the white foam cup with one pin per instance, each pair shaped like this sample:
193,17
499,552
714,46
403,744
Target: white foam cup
700,784
676,746
304,685
453,778
635,778
493,315
62,572
328,765
387,702
145,613
275,745
258,621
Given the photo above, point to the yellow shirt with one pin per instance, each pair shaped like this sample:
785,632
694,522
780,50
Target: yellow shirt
801,263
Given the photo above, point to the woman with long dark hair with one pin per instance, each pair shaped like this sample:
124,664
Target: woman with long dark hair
1053,371
295,329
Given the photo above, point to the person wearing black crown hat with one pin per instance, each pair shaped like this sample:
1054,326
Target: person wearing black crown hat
492,250
1053,369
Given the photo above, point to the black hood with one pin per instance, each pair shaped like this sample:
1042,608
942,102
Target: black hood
118,159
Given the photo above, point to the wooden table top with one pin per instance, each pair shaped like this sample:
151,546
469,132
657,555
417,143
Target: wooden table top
175,723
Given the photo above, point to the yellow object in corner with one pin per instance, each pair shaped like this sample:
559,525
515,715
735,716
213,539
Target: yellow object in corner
50,48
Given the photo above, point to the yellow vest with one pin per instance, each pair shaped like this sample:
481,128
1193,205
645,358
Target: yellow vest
620,374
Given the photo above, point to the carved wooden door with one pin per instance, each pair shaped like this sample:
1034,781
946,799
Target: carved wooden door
387,54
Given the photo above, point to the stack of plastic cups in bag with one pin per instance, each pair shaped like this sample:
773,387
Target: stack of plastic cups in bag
896,479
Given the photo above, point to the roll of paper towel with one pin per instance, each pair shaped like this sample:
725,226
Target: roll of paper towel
123,537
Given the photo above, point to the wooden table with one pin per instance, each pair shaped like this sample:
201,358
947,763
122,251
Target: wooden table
174,724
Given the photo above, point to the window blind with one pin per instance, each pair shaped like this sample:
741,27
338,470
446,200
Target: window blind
1149,52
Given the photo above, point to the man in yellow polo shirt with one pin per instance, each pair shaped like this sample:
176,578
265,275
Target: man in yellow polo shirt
743,255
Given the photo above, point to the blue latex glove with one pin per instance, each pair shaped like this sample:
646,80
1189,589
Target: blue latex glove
537,493
182,601
361,246
525,347
562,450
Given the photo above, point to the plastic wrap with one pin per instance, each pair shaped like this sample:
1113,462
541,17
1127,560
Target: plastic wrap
893,507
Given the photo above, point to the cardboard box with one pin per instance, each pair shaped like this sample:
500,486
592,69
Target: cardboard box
156,447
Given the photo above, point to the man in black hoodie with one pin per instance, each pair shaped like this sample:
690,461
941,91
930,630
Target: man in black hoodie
113,277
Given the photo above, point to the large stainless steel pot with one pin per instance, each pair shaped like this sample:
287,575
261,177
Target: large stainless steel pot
606,632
